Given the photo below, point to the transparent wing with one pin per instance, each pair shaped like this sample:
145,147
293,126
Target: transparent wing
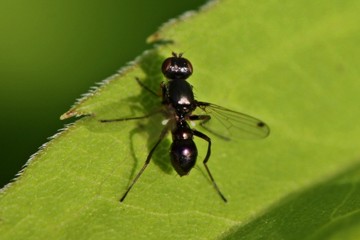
229,124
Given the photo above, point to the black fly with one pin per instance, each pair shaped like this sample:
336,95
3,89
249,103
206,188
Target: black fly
178,105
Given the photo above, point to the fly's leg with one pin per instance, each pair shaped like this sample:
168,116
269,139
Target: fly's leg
135,118
206,138
146,87
147,161
130,118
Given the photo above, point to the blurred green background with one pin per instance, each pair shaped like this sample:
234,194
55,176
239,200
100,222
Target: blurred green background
51,52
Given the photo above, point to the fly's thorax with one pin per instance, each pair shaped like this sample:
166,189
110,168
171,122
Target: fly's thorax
181,96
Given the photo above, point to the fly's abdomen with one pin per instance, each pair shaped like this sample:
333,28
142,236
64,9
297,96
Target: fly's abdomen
183,155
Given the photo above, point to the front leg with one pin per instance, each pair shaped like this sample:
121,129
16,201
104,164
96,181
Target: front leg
130,118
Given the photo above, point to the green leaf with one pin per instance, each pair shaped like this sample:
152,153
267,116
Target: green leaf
293,64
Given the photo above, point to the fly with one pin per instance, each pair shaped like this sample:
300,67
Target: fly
178,104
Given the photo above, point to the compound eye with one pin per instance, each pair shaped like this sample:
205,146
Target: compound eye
166,65
189,67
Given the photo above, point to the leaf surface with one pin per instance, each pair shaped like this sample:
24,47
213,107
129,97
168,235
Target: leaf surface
292,64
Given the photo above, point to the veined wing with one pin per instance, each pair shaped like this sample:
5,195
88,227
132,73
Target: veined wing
229,124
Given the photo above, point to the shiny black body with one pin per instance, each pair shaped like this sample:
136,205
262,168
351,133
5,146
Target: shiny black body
183,151
178,94
178,104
